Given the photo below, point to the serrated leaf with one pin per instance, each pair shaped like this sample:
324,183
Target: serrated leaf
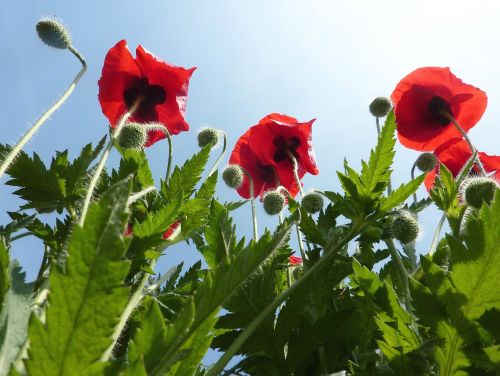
235,204
376,174
4,272
400,195
184,179
220,285
85,302
14,318
207,189
220,235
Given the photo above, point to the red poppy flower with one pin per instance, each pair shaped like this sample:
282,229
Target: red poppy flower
420,97
454,154
163,86
294,260
263,151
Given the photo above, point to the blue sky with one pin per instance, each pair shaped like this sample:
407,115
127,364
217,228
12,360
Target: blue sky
308,59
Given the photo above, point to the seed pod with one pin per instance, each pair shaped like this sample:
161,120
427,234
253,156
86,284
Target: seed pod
53,33
274,202
312,202
477,190
405,227
208,136
132,136
233,176
380,106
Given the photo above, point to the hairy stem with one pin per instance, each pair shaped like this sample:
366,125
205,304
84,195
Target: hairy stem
403,273
216,164
104,158
35,127
252,202
136,196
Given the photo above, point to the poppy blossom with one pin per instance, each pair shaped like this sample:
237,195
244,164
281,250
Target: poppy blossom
265,151
162,86
420,99
454,154
294,260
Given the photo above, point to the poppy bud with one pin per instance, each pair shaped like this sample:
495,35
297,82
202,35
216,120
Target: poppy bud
132,136
233,176
478,190
380,106
426,162
273,202
208,136
405,227
312,202
53,33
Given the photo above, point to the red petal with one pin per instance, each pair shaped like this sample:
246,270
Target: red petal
278,118
119,72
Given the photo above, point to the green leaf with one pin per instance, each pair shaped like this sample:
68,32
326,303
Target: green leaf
207,189
4,272
463,295
219,285
401,194
183,180
86,300
14,318
219,235
376,174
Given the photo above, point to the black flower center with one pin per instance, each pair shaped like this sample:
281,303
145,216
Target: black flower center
437,106
266,173
285,146
152,95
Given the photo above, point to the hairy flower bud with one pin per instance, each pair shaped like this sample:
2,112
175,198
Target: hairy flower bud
380,106
132,136
477,190
233,176
312,202
426,162
273,202
405,227
208,136
53,33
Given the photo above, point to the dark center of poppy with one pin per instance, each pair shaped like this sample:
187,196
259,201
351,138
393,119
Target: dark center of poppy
437,106
284,146
266,173
152,95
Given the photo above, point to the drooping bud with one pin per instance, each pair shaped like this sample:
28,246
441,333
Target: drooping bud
233,176
132,136
53,33
274,202
405,227
312,202
208,136
380,106
426,162
477,190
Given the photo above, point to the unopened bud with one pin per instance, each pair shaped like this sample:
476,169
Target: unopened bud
312,202
477,190
208,136
380,106
405,227
233,176
273,202
426,162
132,136
53,33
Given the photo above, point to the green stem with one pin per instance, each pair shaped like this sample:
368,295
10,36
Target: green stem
252,202
20,236
403,273
216,164
435,238
240,340
414,193
134,301
104,157
35,127
170,155
136,196
296,173
450,117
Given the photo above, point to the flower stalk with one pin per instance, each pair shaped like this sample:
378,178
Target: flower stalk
11,156
104,158
252,203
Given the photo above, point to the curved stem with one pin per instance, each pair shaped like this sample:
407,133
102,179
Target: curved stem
414,193
170,155
35,127
403,273
252,202
240,340
435,238
377,122
450,117
134,301
216,164
104,157
296,172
